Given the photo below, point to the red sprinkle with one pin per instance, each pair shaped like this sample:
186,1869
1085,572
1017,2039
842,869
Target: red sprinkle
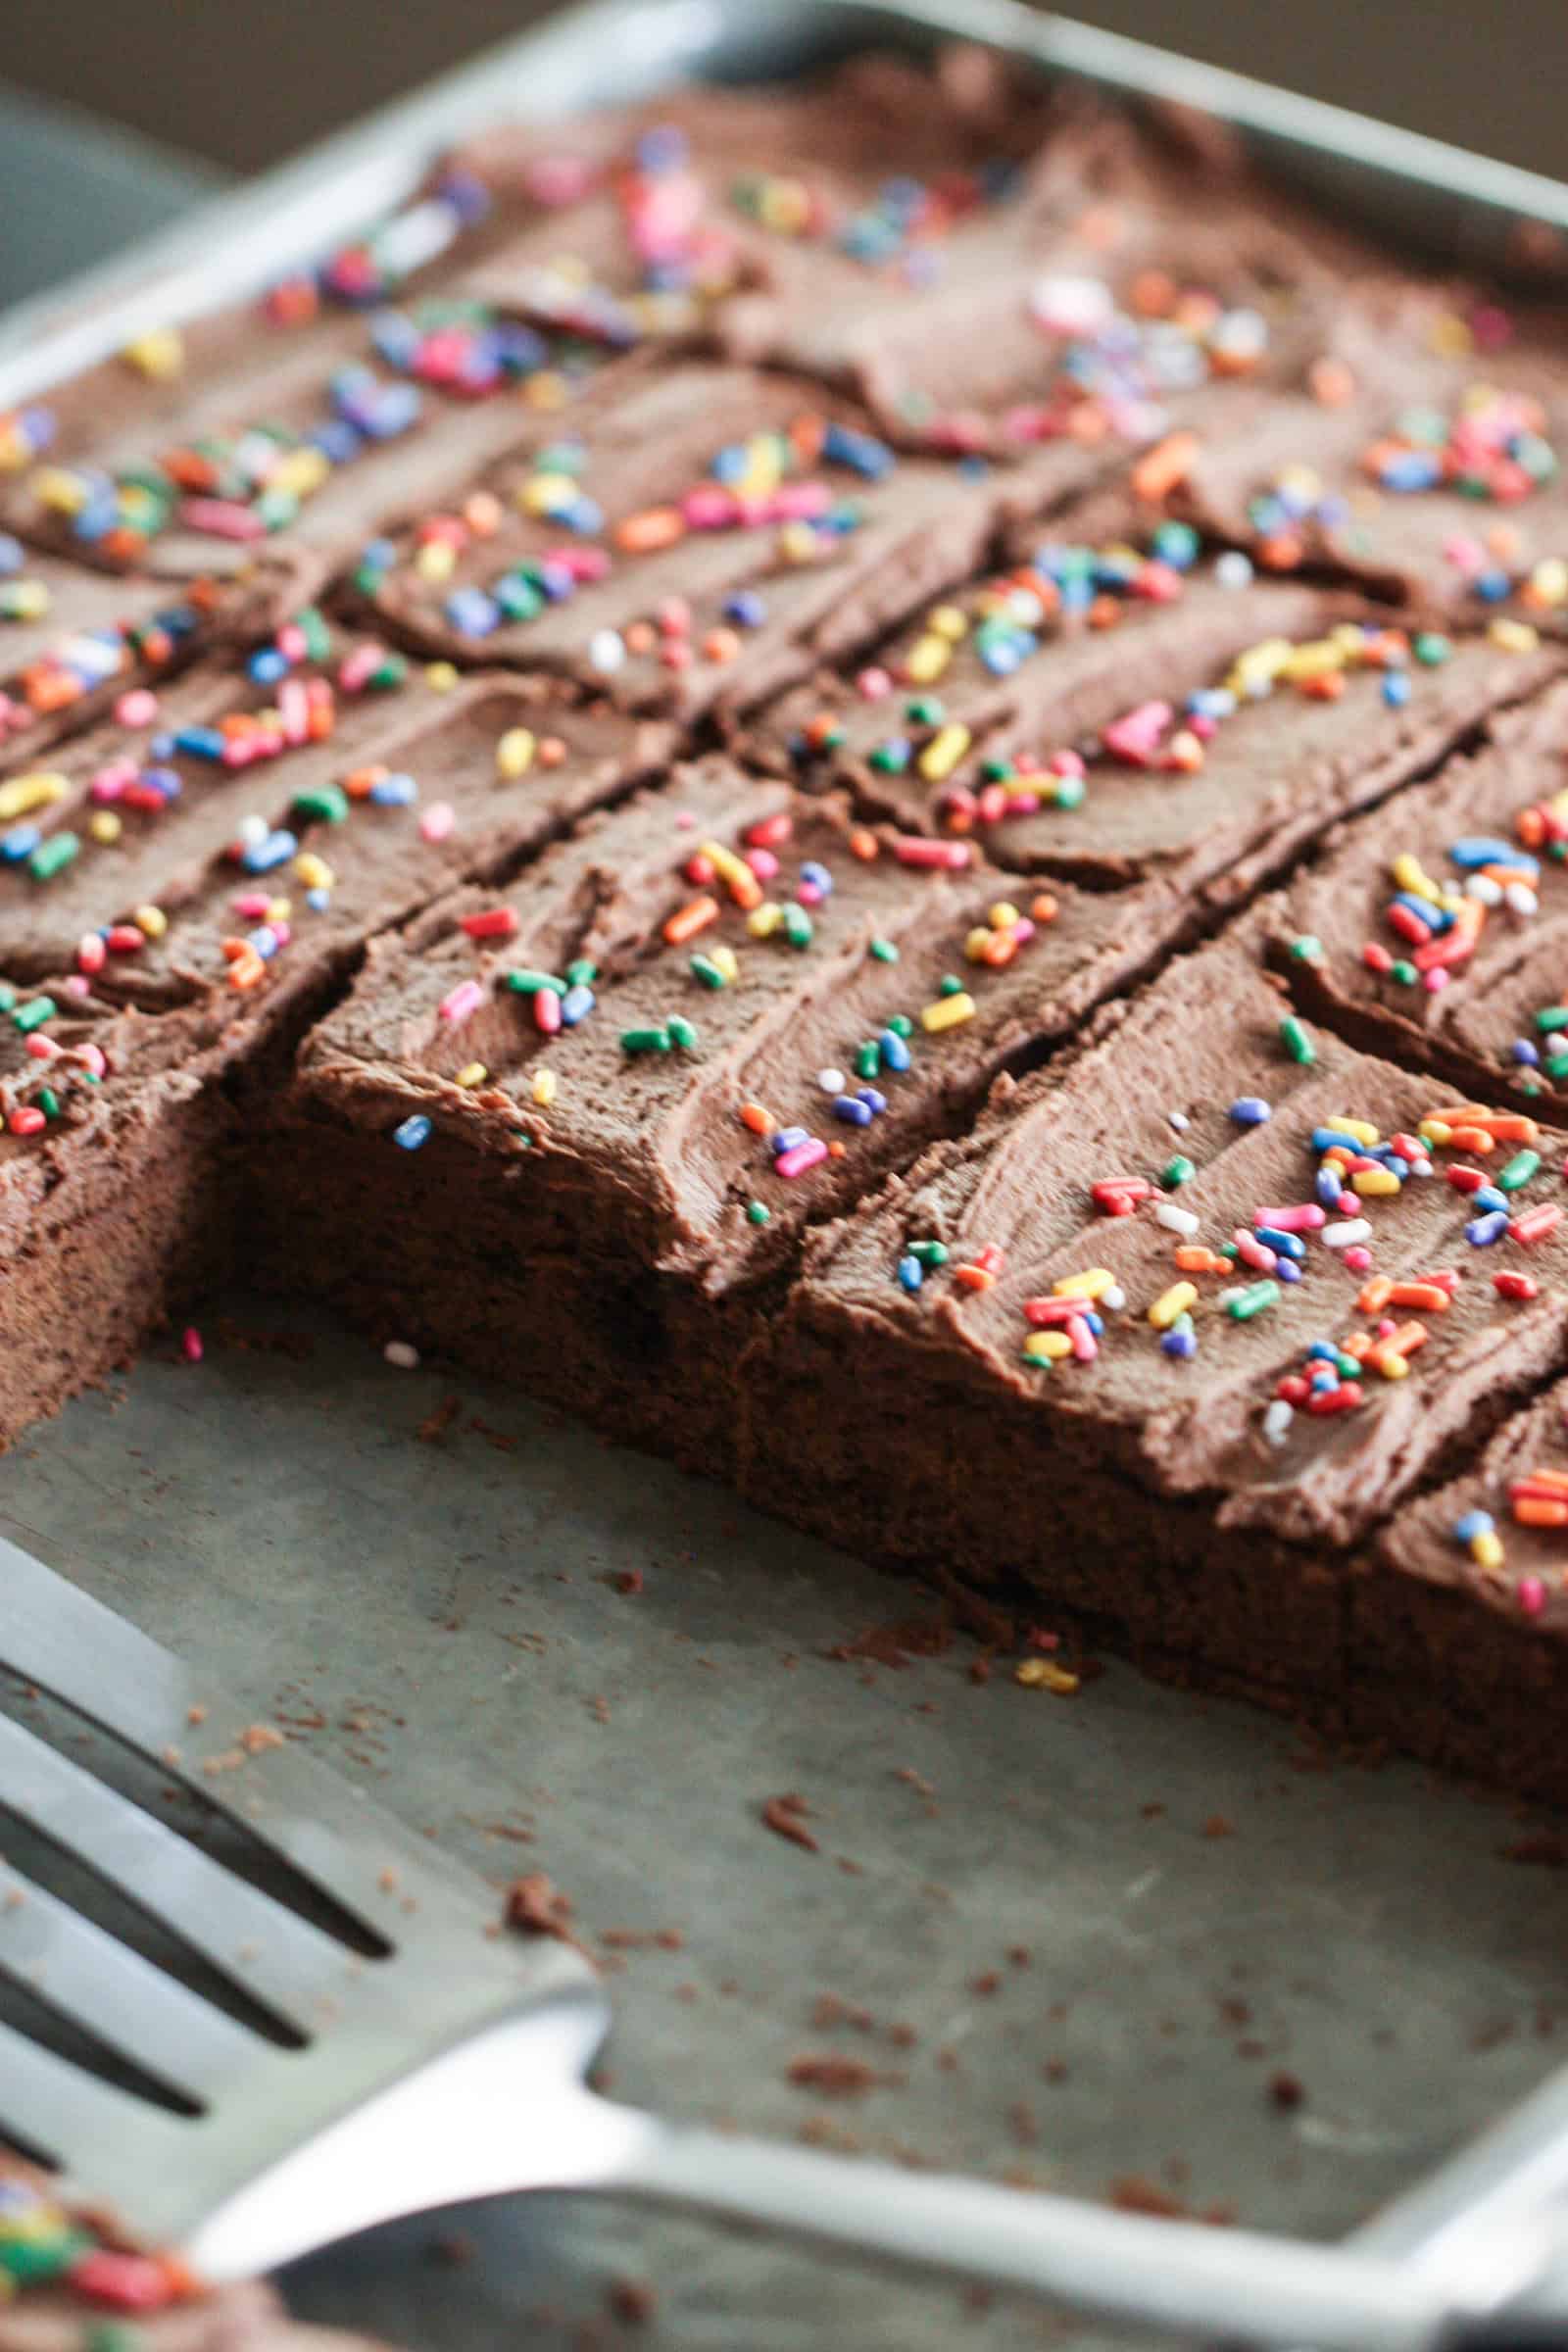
1536,1223
1515,1286
123,2281
493,922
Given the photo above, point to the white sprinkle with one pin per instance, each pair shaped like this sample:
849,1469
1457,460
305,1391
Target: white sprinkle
1113,1299
1176,1220
832,1082
253,831
1234,570
399,1353
1179,1120
1484,888
606,651
1277,1421
1520,899
1065,304
1341,1235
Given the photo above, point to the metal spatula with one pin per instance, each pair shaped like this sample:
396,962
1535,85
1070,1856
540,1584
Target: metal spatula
450,2065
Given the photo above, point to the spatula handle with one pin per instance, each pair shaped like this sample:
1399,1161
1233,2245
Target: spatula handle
1181,2278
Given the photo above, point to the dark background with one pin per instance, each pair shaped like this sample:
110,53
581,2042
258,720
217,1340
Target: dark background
244,81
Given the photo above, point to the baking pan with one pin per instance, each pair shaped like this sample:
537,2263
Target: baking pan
1124,1938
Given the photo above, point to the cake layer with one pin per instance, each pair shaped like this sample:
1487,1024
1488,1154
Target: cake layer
1172,1402
1435,930
1426,465
713,1015
710,536
1462,1601
1167,725
73,641
241,842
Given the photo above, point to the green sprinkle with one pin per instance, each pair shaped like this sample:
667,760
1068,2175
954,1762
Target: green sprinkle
644,1040
30,2260
1177,1171
1228,1249
53,855
926,711
868,1059
326,803
950,985
994,771
1519,1171
520,1135
30,1016
889,758
1531,1087
583,973
681,1032
705,969
367,578
1430,649
1348,1367
1405,974
1556,1016
1294,1038
929,1254
533,984
1306,948
113,2335
8,995
48,1102
798,929
1253,1300
312,627
757,1212
884,951
1558,1065
901,1024
1070,792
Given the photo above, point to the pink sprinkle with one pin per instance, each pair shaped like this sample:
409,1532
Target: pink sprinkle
560,179
685,819
1084,1345
1065,763
437,821
294,711
582,564
291,641
762,862
43,1049
1304,1217
948,856
138,709
190,1342
222,518
75,985
359,668
547,1012
1466,554
810,894
466,998
1532,1596
709,509
873,685
251,905
91,953
111,780
1437,979
674,615
91,1057
1254,1252
794,1162
1136,737
1358,1257
798,501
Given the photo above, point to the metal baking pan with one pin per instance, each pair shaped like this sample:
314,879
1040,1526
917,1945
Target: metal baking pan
1121,1938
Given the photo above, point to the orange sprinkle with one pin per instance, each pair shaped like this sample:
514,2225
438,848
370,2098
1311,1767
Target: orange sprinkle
973,1278
1105,611
721,644
1162,468
1043,907
753,1116
688,921
1430,1297
1532,1510
1325,688
1192,1259
1375,1296
246,970
863,844
1330,382
1281,551
551,750
655,527
361,782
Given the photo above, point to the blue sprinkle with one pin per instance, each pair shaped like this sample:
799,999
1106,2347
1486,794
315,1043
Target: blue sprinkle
1287,1270
413,1133
12,558
1395,689
875,1102
1330,1192
1487,1199
1250,1111
576,1005
1473,1523
911,1273
1491,586
264,856
199,743
472,613
861,453
817,876
1285,1245
1324,1382
745,609
1435,917
1480,849
20,843
1323,1351
267,665
1482,1232
264,940
1183,1345
319,901
379,553
395,791
852,1112
893,1049
786,1140
1525,1051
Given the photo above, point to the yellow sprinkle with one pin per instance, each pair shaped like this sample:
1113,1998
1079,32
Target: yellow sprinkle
313,871
725,960
301,472
1171,1303
977,942
278,911
1409,874
1391,1365
1004,915
546,390
62,492
928,657
1513,636
1350,635
1046,1347
1435,1131
543,1088
948,1013
1375,1183
157,355
1313,661
1260,664
1450,338
1092,1282
1485,1549
729,868
1548,582
764,920
1358,1130
151,921
947,621
40,790
797,543
943,753
436,560
472,1073
548,493
764,467
104,825
515,752
1043,1674
29,601
441,676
